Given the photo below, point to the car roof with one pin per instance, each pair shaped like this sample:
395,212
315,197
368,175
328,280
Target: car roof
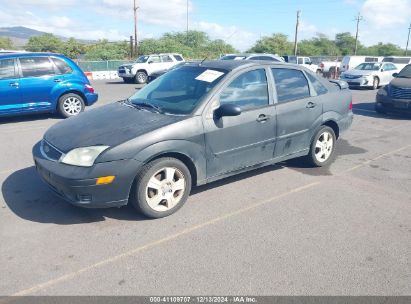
25,54
235,64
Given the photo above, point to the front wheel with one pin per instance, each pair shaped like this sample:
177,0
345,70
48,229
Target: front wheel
141,77
70,105
375,83
161,188
322,147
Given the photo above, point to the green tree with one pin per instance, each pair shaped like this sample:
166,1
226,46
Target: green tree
105,50
275,44
72,48
346,43
319,45
383,49
6,43
44,43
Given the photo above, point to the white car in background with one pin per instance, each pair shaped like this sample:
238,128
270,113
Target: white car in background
370,74
350,62
253,56
145,65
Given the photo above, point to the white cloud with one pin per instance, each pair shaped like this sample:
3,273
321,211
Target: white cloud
386,14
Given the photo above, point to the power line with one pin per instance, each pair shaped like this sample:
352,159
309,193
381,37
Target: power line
297,24
358,19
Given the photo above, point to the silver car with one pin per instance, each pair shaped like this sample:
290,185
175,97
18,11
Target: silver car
370,74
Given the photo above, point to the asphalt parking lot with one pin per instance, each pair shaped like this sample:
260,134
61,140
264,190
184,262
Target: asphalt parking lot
281,230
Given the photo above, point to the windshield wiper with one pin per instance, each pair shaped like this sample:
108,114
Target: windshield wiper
147,105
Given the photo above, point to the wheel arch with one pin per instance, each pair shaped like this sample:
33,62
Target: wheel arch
333,125
72,91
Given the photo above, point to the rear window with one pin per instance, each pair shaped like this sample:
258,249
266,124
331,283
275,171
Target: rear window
7,70
62,66
290,85
36,66
178,58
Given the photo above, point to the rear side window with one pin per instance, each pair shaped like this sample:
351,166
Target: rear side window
166,58
318,86
178,57
248,91
36,66
62,66
7,70
290,85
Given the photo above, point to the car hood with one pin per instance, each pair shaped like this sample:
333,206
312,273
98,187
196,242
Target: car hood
359,72
108,125
404,83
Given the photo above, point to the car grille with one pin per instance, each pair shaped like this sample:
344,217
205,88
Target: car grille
49,151
400,93
352,76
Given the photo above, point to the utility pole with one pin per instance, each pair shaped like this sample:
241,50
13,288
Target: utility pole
187,25
135,29
296,32
358,19
131,47
408,40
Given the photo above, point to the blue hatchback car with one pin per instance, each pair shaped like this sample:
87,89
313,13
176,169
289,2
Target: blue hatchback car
42,82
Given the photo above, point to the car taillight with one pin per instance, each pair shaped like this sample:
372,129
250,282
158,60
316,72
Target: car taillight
89,88
350,106
321,65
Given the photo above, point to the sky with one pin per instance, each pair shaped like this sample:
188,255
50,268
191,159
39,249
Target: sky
238,22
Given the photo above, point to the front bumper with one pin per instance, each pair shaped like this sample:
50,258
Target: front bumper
389,104
359,82
125,73
77,185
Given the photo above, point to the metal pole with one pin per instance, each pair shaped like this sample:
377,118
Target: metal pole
135,29
296,32
408,40
359,18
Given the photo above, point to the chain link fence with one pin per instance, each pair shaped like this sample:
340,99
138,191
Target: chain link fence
108,65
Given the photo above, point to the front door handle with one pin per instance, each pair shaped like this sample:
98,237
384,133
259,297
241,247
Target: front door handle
14,84
310,105
57,80
263,118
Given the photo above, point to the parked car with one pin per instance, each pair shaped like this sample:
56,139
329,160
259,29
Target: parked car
146,65
369,74
162,72
194,125
349,62
396,96
303,61
253,56
400,62
43,82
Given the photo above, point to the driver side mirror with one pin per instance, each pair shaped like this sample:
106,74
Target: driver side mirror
395,75
228,109
382,70
150,62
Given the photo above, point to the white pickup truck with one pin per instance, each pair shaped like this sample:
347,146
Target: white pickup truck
145,65
304,61
328,68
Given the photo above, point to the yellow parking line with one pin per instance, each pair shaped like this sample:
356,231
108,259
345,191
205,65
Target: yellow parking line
134,251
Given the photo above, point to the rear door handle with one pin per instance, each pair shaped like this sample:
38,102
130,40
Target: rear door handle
57,80
262,118
310,105
14,84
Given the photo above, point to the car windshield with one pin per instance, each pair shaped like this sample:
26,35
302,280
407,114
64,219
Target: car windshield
405,72
233,57
142,59
371,66
179,91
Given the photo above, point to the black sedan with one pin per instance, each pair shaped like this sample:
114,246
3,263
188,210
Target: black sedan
396,96
194,125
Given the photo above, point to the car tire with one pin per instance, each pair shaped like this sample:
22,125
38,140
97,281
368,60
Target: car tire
161,188
70,105
375,83
141,78
322,147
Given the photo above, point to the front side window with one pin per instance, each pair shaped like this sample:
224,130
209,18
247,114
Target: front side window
142,59
7,70
36,66
154,59
290,85
62,66
248,91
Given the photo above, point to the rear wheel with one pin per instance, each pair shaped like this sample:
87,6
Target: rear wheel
161,188
322,147
70,105
141,77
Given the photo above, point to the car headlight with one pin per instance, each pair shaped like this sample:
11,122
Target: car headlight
383,91
83,157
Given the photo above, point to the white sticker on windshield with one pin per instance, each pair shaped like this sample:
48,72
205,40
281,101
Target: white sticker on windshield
209,75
